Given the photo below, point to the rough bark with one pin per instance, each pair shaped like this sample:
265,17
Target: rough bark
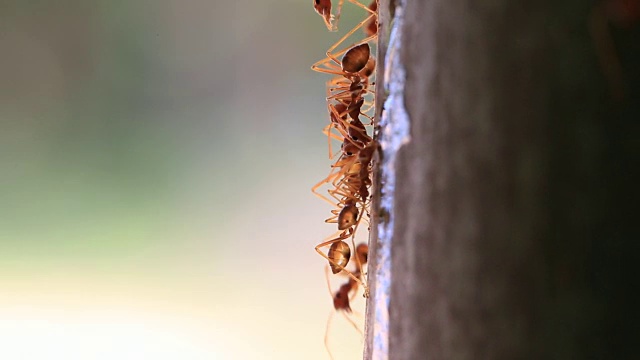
516,200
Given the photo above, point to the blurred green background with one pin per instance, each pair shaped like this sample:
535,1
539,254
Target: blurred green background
156,159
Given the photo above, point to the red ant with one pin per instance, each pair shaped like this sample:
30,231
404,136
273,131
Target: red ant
323,8
347,89
345,294
372,26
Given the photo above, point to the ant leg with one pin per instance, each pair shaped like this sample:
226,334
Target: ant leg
326,180
344,197
363,113
332,220
344,94
337,17
340,119
336,120
338,79
327,131
330,136
326,277
314,191
343,164
353,323
344,192
316,67
358,261
333,67
370,105
366,8
326,334
326,331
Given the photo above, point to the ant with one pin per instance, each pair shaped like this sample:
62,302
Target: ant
355,59
323,8
347,89
351,65
342,298
339,252
372,26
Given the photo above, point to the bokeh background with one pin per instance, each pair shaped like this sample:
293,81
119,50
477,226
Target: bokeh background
156,159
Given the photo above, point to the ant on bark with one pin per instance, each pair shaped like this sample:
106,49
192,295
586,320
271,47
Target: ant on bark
345,294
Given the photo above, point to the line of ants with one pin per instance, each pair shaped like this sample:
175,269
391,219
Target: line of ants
349,97
350,175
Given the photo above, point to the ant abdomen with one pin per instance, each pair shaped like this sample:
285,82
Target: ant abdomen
339,253
356,58
347,217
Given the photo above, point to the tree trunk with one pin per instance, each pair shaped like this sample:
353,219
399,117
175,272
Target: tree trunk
506,205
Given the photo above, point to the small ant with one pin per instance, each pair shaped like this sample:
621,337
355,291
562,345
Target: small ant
342,298
339,252
372,26
323,8
348,89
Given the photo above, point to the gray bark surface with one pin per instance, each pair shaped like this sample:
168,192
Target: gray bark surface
515,210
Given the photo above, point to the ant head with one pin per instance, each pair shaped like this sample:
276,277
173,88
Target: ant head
341,298
372,27
323,8
358,135
347,217
356,58
339,253
362,252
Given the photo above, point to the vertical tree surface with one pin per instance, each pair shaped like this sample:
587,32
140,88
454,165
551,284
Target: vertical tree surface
514,217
